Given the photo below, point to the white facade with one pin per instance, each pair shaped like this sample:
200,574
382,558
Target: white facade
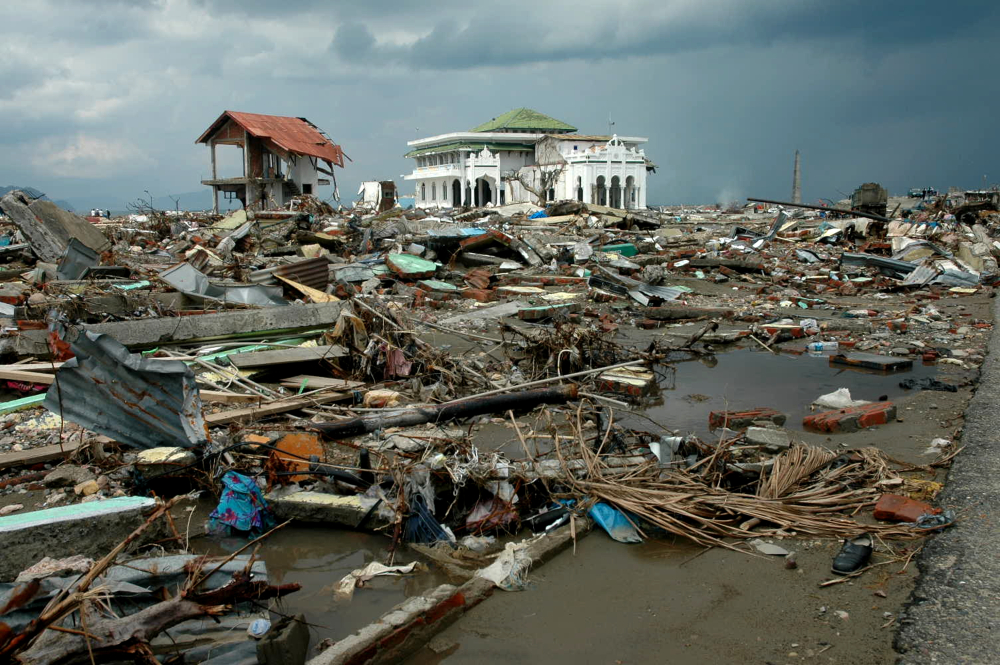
477,168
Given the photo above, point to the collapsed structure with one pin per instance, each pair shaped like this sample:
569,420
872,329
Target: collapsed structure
443,380
282,158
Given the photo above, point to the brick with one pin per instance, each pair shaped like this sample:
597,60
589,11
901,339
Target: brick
626,381
851,419
480,295
741,419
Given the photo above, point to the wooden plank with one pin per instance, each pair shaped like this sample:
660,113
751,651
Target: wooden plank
38,455
27,377
317,382
261,359
227,398
314,294
273,408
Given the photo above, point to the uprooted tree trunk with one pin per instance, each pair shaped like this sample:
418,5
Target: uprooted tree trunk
101,637
540,183
129,636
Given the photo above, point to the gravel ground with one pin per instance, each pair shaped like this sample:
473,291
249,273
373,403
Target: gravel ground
955,611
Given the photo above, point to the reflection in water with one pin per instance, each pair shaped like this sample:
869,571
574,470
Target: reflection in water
749,378
317,558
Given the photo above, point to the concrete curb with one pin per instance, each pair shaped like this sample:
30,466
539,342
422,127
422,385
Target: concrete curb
411,624
955,608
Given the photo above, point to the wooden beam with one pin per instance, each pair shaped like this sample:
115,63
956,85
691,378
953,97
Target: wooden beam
38,455
316,382
273,408
262,359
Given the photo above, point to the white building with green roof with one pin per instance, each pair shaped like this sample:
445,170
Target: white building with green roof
526,156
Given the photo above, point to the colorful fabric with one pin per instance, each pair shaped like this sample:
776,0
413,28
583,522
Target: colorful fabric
241,508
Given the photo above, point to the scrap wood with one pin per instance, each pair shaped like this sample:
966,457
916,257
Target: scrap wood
439,413
686,504
273,408
39,455
320,382
41,643
315,295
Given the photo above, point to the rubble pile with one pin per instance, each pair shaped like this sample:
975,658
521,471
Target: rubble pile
450,376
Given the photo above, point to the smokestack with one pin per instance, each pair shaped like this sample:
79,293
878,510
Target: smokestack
797,181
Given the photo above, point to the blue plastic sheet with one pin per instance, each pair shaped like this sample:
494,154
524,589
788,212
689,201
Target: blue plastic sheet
241,508
614,522
538,215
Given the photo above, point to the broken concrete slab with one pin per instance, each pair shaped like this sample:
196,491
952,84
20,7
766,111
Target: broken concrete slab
48,228
772,440
347,511
89,529
147,333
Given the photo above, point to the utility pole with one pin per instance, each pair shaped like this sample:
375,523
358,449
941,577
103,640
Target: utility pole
797,181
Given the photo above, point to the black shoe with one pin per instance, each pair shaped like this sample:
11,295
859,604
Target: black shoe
853,555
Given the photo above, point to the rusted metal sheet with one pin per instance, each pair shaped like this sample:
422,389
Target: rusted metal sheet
311,272
140,402
292,135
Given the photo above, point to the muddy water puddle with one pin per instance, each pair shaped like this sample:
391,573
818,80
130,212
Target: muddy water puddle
748,378
317,558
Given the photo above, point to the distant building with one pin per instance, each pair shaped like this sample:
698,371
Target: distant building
526,156
282,158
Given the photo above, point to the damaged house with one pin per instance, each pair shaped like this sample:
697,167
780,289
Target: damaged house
282,158
526,156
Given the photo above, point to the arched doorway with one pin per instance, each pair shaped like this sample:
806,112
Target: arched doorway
484,191
468,193
630,192
456,193
579,188
616,193
601,191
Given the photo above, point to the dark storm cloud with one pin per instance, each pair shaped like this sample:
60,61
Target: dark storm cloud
726,90
487,37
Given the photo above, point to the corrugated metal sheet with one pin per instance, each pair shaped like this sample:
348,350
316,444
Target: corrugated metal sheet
311,272
294,135
193,283
920,276
140,402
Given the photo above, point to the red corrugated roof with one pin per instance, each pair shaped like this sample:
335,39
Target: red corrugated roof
294,135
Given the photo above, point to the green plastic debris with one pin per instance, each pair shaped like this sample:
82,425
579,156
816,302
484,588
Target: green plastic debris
437,285
625,249
407,264
23,403
134,285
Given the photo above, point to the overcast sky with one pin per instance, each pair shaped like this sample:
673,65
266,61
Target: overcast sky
103,99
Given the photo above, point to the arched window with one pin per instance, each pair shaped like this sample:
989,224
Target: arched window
434,191
423,191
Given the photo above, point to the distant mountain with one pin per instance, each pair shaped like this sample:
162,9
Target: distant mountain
34,193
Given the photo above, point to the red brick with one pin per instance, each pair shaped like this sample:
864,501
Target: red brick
740,419
852,419
482,295
445,607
